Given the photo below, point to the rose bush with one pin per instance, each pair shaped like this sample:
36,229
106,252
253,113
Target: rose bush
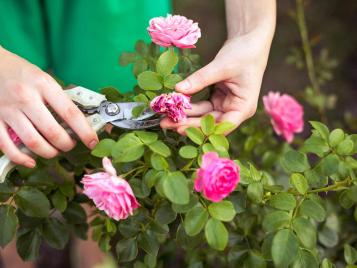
201,200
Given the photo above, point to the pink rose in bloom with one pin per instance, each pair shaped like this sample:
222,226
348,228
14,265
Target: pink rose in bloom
286,114
110,192
217,177
173,105
14,137
174,31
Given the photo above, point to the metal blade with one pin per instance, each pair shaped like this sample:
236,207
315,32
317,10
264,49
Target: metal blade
137,124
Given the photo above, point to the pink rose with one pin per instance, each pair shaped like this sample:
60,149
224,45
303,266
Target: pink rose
110,192
14,137
174,31
173,105
286,114
217,177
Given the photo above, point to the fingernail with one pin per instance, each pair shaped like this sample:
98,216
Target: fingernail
30,164
183,85
92,144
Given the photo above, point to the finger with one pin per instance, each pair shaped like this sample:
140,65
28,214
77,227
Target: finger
46,124
235,117
70,113
10,149
208,75
200,108
29,135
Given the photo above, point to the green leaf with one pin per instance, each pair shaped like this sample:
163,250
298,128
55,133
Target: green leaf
207,124
139,187
141,47
103,148
224,127
127,149
305,231
166,62
176,188
219,142
59,201
255,260
195,220
254,173
284,248
336,136
216,234
255,192
171,80
165,214
158,162
55,233
329,164
28,245
188,152
316,145
295,161
104,243
195,135
185,208
138,110
350,254
146,136
312,209
8,224
326,263
112,94
149,80
127,250
321,129
75,214
160,148
283,201
223,211
32,202
207,147
299,182
345,147
276,220
148,242
305,260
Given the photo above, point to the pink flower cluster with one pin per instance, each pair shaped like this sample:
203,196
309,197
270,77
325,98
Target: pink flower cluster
174,31
110,193
217,177
173,105
287,115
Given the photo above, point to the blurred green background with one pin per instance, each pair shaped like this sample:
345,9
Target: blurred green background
332,26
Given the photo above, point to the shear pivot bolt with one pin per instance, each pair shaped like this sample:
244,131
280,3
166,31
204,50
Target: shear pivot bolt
112,109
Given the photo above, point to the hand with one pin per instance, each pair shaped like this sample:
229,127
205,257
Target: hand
237,71
24,92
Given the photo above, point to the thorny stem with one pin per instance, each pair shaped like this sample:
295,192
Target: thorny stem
300,18
339,185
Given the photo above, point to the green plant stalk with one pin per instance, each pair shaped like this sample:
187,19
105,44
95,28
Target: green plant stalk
300,17
310,66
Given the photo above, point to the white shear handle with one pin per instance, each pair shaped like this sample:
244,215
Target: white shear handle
95,120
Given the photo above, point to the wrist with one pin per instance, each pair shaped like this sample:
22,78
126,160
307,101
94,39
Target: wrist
246,16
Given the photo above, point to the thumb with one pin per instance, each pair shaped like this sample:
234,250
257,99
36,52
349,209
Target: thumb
207,75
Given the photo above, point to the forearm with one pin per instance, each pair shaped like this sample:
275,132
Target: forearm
245,16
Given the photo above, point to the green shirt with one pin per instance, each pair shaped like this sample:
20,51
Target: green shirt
78,40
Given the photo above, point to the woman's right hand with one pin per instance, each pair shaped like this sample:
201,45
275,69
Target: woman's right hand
25,90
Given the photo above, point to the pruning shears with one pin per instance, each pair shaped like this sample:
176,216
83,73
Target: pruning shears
99,111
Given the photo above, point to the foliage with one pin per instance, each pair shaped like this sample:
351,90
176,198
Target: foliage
295,206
